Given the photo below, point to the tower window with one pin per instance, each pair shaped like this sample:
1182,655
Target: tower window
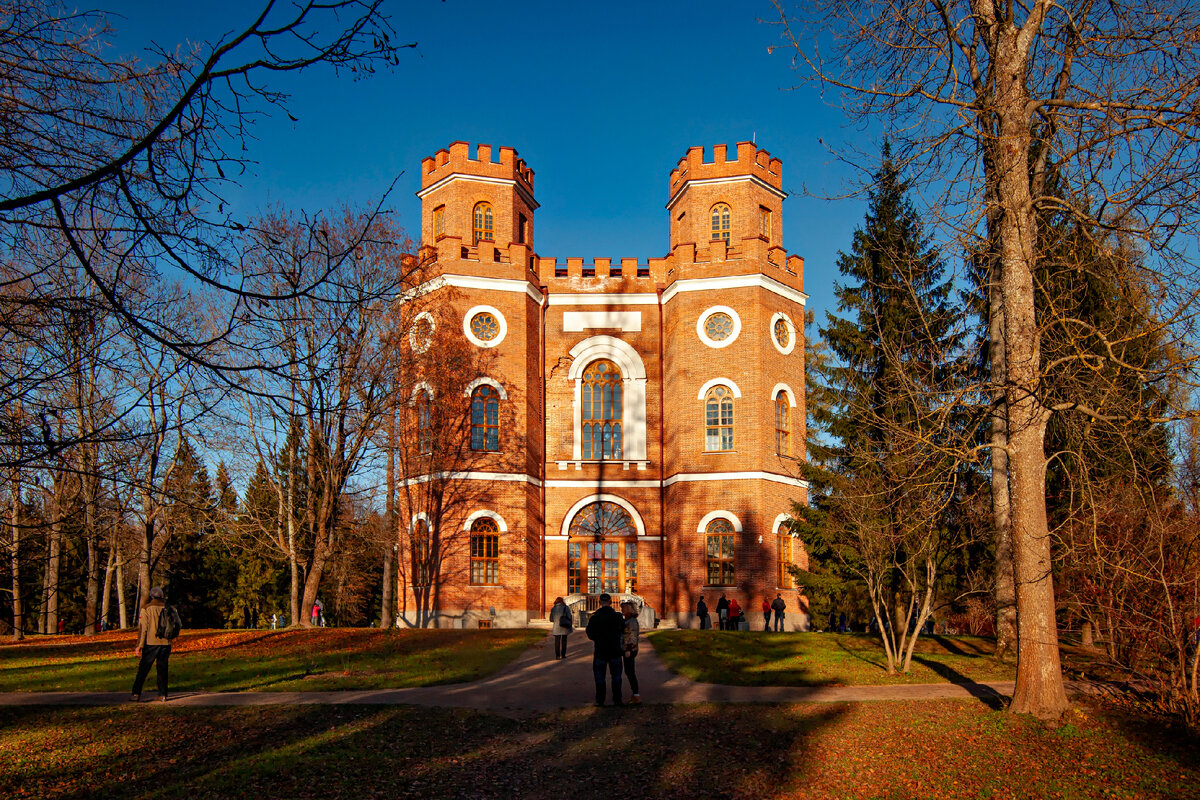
522,229
718,419
439,222
424,423
602,412
485,418
485,552
483,223
421,562
783,542
720,221
764,223
719,552
782,424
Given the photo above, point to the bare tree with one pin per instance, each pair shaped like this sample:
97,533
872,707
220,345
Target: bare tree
983,99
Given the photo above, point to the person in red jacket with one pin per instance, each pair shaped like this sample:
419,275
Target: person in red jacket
766,609
735,614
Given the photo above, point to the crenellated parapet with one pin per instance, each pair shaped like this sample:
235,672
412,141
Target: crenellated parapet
456,159
749,160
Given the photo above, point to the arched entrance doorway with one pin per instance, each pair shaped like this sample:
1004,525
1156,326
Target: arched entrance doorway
602,551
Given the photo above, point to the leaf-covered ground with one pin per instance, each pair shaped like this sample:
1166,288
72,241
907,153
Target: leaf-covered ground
951,749
294,660
822,659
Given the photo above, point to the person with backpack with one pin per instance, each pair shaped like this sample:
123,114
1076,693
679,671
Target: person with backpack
630,640
564,622
157,626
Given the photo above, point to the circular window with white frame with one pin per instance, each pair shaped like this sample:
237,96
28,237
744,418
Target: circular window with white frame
420,335
783,333
719,326
484,326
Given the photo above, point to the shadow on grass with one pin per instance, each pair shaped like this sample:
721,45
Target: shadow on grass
341,752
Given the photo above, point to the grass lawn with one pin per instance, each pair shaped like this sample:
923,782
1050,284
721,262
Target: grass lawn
946,749
299,660
821,659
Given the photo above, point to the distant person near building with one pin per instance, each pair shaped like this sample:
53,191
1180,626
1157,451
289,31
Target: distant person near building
778,606
632,629
735,615
766,612
561,616
606,629
722,612
702,613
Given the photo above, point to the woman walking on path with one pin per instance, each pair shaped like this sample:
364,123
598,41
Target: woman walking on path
632,630
561,616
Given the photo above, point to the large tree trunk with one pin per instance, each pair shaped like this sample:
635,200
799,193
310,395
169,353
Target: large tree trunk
53,570
122,612
389,547
90,522
1039,687
1005,590
106,593
15,520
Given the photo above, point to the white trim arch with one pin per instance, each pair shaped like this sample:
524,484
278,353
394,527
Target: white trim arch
726,382
420,516
710,516
492,382
780,520
420,347
597,498
633,399
423,386
783,387
483,512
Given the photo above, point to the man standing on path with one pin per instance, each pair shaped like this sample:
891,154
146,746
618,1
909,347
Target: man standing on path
722,612
778,605
606,629
151,648
702,613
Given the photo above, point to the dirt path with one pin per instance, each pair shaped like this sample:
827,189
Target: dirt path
535,682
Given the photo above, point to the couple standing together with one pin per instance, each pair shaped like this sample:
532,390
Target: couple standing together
615,639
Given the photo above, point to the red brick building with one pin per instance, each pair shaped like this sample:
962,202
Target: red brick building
642,424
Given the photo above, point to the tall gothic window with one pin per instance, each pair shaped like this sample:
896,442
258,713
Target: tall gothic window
782,424
485,418
783,541
601,416
485,552
421,565
719,551
483,222
720,221
439,222
718,419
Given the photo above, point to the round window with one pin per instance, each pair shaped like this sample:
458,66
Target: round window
484,326
783,335
719,326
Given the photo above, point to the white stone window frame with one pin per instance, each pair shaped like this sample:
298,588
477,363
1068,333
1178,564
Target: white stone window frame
483,512
779,315
779,521
500,321
421,387
482,381
727,383
421,347
633,395
720,514
703,334
598,498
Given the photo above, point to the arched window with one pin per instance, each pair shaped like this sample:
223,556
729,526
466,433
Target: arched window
485,552
439,222
719,550
421,563
720,221
424,422
602,390
483,222
485,418
783,412
718,419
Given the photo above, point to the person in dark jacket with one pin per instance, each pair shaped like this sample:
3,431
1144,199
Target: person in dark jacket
778,606
150,648
606,629
722,611
702,613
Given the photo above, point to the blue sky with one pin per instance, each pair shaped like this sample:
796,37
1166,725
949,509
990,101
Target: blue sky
600,99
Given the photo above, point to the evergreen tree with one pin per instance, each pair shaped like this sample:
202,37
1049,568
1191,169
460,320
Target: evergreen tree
188,508
887,494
